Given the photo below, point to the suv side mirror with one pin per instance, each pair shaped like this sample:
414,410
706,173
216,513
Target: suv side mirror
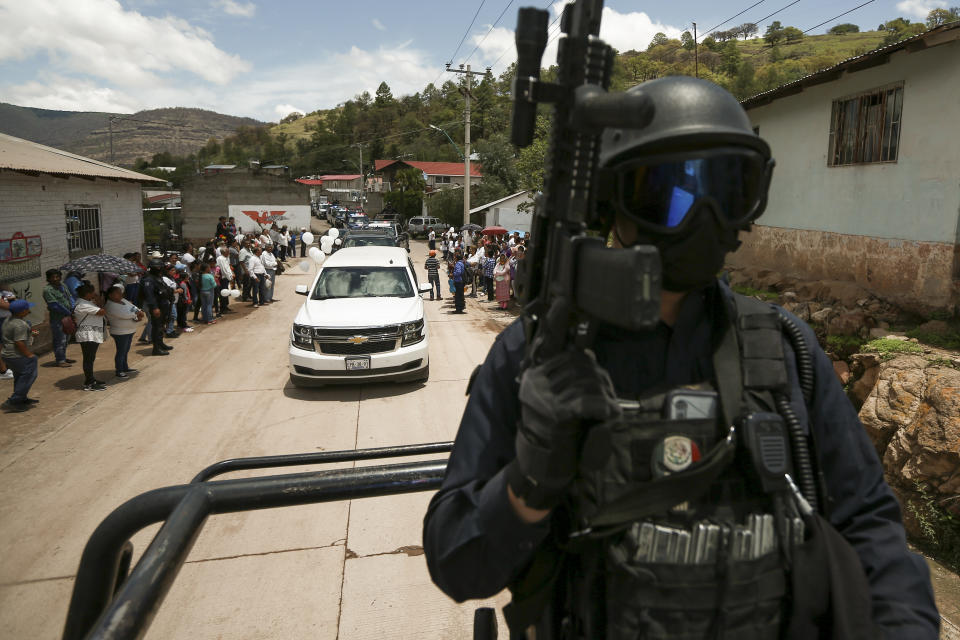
301,290
424,287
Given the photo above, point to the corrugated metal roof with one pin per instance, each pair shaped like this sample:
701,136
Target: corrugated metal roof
18,154
340,176
220,166
865,61
496,202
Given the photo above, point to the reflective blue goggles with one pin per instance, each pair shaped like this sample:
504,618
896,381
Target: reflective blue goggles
659,195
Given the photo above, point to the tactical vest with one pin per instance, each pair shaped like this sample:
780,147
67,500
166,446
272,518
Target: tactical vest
670,529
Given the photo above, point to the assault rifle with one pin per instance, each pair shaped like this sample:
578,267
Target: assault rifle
569,277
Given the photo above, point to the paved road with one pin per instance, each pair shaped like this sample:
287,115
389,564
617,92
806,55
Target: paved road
341,570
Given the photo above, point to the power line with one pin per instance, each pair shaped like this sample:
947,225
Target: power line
549,29
711,30
839,16
770,46
489,31
457,50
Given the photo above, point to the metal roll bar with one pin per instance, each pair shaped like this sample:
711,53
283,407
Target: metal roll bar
108,604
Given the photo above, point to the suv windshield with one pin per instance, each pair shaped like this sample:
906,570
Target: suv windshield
367,241
363,282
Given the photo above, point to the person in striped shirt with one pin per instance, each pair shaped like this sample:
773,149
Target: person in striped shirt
432,265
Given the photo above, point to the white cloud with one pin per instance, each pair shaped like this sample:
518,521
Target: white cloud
244,9
920,8
623,31
283,110
378,25
68,94
99,38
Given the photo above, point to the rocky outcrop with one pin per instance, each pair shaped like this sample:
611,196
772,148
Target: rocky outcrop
912,415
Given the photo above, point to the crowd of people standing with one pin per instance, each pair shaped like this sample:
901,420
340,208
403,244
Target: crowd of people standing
485,262
164,292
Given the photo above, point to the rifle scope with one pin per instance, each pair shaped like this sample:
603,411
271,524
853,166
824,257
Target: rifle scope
531,41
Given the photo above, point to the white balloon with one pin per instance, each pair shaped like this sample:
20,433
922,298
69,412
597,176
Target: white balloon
224,293
334,232
308,237
323,257
338,241
235,293
304,265
314,255
326,244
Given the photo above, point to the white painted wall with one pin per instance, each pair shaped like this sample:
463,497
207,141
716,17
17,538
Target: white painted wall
34,205
917,198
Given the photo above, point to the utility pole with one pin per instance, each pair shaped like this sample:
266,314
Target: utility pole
466,134
363,181
696,52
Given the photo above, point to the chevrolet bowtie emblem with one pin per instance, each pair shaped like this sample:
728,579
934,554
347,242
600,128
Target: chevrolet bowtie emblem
357,339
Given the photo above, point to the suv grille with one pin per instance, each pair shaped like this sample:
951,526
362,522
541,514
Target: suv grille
350,349
391,330
341,342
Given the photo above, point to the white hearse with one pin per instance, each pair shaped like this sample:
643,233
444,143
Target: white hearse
362,321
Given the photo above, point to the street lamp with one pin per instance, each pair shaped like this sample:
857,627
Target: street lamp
459,153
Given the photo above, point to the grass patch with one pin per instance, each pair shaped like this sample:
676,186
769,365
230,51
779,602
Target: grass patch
940,529
756,293
890,348
942,362
949,340
844,346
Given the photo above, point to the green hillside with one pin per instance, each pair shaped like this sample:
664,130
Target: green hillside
743,60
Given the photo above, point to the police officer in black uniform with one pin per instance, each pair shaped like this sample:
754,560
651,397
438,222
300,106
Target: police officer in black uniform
638,489
157,300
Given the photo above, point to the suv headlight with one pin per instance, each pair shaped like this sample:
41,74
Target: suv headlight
412,333
302,337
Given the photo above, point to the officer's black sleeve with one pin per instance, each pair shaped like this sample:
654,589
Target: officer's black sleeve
473,540
863,508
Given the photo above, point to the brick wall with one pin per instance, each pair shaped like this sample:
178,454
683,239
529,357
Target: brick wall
34,205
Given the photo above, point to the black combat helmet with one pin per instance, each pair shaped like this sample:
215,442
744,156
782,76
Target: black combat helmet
700,144
155,264
690,181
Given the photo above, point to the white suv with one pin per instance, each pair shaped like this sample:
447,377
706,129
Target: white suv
362,321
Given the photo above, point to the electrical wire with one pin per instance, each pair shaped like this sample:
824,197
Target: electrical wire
489,31
550,28
457,50
839,16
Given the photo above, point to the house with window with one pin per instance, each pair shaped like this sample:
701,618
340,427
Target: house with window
867,182
438,175
56,206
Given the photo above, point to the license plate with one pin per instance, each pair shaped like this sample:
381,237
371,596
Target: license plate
358,364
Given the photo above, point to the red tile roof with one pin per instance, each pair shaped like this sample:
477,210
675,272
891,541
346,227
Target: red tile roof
309,181
163,196
433,168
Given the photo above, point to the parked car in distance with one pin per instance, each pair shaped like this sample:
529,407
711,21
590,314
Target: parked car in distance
394,229
362,321
420,226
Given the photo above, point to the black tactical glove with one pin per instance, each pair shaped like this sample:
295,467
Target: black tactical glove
556,399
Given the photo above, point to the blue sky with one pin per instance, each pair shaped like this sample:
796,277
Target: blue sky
264,59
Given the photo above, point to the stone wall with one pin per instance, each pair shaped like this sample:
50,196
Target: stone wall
206,198
912,415
920,275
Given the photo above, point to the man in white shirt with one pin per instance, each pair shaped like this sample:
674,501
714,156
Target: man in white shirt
270,266
227,278
258,276
432,240
244,257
